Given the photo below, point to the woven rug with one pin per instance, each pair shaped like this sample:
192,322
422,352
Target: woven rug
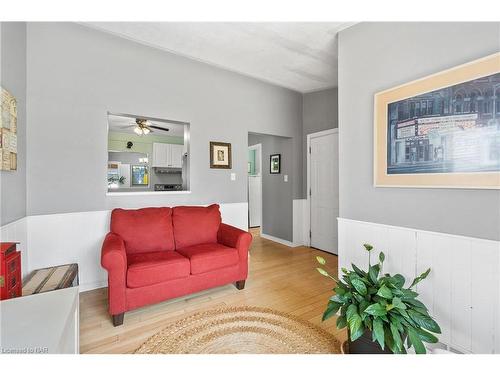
245,329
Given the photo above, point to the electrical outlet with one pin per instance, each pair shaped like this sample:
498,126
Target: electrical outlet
233,176
285,178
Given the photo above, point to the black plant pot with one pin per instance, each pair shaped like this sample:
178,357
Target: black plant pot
365,345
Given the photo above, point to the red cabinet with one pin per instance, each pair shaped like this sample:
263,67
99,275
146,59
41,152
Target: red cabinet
10,271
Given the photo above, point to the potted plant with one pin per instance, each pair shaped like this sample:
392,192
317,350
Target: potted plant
378,311
114,179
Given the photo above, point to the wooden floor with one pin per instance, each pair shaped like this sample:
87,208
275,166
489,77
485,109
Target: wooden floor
280,277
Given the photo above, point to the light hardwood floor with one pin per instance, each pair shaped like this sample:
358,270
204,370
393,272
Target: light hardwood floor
280,277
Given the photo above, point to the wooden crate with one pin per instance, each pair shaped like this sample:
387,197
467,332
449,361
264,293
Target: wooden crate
51,278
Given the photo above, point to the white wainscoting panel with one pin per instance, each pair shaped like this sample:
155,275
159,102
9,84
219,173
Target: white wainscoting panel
77,238
353,234
300,222
17,232
462,291
235,214
70,238
484,287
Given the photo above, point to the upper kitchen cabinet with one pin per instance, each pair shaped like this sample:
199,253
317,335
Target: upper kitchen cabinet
176,153
167,155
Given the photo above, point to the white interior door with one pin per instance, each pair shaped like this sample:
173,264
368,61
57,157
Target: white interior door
324,190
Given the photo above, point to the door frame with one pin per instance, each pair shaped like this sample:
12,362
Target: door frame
308,191
258,149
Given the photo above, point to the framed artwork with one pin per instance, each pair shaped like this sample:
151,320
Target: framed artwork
441,131
220,155
8,131
275,164
140,175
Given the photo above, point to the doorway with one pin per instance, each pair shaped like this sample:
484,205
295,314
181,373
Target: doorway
323,189
255,186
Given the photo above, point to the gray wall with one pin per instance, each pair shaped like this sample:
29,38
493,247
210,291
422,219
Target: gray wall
377,56
77,74
319,112
13,78
277,195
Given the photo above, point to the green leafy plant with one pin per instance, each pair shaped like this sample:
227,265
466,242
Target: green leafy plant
114,179
371,300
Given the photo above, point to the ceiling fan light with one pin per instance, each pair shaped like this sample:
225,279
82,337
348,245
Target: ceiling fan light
138,130
145,131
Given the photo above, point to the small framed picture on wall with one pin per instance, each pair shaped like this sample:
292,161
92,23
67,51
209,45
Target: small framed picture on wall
275,164
220,155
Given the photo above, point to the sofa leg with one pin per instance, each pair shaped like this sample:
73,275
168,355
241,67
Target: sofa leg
240,284
118,319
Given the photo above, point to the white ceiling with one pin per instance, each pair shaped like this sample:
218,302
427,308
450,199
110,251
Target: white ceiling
301,56
125,124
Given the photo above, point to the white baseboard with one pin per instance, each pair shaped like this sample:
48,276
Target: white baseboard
92,286
462,291
278,240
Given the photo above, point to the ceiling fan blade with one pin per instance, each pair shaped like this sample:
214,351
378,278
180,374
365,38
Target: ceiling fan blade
159,128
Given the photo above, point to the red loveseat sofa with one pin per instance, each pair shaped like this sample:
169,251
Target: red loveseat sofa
154,254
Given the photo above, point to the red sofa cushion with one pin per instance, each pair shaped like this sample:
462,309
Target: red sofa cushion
145,230
194,225
152,268
209,256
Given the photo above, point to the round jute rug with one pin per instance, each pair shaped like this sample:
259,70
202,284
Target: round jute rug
244,329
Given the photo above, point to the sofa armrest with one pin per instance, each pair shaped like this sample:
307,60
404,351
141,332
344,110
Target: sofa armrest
234,237
113,255
114,260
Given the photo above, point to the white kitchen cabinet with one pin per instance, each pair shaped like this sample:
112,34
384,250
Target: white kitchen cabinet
176,152
160,155
167,155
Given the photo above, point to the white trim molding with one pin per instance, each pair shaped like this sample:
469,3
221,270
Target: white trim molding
462,291
278,240
300,222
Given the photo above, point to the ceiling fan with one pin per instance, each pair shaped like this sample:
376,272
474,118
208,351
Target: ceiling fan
144,127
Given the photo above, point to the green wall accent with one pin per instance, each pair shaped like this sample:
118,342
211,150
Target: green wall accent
118,142
251,160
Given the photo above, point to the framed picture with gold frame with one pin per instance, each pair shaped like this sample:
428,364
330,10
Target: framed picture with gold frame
441,131
220,155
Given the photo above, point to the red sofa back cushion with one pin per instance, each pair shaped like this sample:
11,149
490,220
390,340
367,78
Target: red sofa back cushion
144,230
195,225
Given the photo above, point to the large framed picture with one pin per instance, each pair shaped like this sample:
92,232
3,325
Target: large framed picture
441,131
220,155
275,164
